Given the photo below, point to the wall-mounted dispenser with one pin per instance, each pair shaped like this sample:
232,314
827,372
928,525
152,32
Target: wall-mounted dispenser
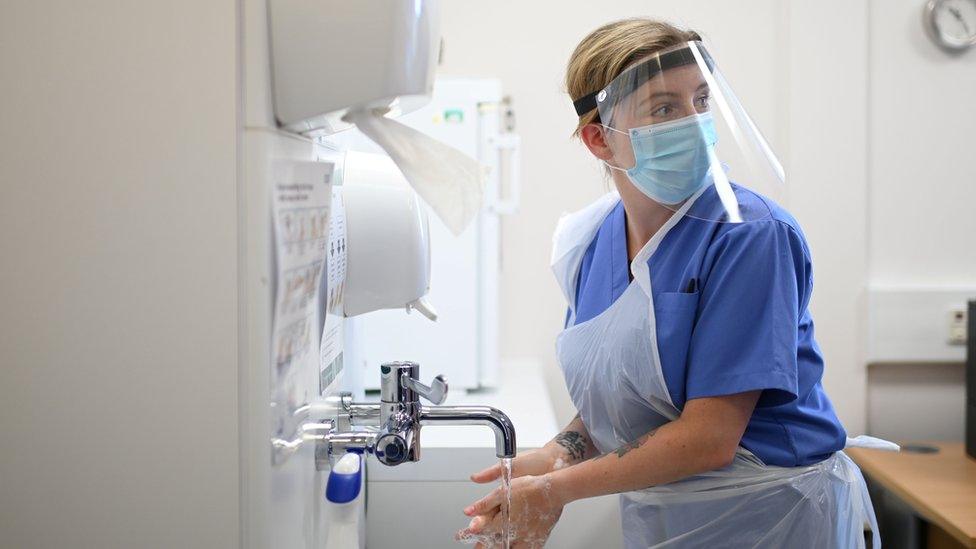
388,255
330,56
344,492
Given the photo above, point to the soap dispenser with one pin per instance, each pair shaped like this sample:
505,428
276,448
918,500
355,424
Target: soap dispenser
344,495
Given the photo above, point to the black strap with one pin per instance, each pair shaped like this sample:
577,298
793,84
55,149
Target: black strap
642,73
586,103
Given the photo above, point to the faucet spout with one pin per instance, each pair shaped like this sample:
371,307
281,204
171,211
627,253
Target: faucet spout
390,429
475,415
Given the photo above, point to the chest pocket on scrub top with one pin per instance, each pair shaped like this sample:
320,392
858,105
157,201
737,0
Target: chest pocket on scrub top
674,314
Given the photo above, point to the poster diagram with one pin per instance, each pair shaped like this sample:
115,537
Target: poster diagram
301,202
300,286
303,228
293,341
330,361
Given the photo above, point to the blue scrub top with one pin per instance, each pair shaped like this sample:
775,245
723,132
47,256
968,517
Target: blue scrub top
745,326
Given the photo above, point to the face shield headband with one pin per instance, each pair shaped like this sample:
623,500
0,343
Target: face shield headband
632,79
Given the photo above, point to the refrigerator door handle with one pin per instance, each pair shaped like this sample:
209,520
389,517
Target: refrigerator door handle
508,148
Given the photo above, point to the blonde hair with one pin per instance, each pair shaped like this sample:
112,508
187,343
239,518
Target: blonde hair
607,51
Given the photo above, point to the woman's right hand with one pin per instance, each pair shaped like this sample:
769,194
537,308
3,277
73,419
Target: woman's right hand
531,463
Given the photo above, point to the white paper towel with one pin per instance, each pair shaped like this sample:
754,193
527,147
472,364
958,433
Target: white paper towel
449,181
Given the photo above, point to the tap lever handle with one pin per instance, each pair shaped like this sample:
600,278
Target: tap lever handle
436,392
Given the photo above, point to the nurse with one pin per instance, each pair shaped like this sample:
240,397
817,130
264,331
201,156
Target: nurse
689,348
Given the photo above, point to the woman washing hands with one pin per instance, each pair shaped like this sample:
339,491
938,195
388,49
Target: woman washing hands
534,510
570,467
689,348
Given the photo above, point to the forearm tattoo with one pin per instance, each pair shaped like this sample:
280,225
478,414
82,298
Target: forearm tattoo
573,442
622,451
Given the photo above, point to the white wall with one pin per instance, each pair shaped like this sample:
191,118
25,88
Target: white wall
916,401
923,175
118,238
827,90
921,206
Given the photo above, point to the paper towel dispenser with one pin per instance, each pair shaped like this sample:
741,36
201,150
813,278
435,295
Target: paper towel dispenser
387,238
328,56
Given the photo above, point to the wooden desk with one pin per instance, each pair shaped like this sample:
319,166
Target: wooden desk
941,487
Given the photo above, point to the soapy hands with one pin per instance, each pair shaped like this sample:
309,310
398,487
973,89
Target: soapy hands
486,529
534,511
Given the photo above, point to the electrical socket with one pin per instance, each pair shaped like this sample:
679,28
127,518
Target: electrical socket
958,325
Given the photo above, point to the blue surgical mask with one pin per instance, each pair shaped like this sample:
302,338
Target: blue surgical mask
671,159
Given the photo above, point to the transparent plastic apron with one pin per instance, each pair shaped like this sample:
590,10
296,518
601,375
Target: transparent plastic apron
613,373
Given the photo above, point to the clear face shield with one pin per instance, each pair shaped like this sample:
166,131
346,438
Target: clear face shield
680,134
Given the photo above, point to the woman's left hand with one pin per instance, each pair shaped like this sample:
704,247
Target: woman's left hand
534,511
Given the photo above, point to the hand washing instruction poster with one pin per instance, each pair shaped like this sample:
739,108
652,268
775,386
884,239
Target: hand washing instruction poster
301,203
334,282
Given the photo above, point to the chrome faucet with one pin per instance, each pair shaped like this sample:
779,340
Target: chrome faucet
390,429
